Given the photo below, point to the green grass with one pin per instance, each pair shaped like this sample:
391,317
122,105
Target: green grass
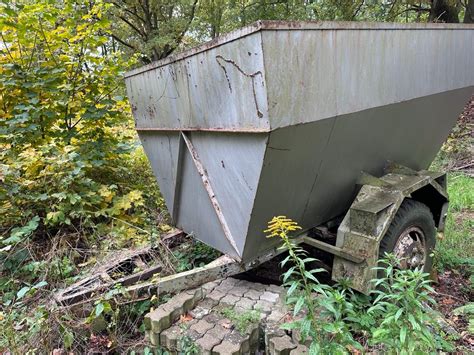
456,249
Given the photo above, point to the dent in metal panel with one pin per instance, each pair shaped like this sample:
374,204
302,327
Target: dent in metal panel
233,162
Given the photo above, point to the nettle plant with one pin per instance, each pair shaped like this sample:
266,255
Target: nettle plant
395,317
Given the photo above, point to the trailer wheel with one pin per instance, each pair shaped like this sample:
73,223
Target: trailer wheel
411,236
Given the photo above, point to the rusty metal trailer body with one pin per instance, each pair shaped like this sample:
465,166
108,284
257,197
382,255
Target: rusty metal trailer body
282,118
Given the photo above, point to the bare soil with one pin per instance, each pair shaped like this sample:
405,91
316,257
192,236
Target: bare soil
453,290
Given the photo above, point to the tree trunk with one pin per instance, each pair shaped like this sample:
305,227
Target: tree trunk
443,11
469,15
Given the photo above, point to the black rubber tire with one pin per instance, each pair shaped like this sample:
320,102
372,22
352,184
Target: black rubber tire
411,214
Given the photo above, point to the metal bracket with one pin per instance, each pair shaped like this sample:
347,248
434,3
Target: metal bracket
331,249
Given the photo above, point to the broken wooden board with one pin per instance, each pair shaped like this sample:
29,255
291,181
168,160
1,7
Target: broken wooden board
126,269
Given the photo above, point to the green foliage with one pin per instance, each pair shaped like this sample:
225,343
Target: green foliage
467,309
67,160
394,318
61,135
193,254
217,17
186,344
461,192
403,323
455,249
18,324
64,146
320,311
152,28
104,315
114,315
73,180
241,320
157,28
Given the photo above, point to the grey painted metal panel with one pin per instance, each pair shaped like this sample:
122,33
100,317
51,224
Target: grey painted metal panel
219,89
196,214
161,149
307,107
321,161
292,26
343,71
293,160
233,163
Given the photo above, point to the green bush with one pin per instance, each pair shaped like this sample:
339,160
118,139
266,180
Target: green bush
72,178
65,145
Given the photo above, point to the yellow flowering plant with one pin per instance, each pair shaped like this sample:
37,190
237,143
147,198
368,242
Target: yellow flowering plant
313,303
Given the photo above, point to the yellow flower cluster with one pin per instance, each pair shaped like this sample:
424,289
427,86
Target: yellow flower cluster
280,226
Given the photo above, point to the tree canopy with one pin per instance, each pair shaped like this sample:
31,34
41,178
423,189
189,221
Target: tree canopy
156,28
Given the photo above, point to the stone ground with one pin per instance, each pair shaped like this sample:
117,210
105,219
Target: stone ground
194,318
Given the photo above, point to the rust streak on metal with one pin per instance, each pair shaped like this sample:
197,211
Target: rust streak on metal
252,76
207,185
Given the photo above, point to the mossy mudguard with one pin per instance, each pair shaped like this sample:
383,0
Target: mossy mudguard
372,212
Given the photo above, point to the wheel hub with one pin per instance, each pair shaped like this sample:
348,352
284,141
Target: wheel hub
410,248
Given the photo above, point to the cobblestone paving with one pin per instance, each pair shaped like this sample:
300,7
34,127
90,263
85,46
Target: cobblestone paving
194,318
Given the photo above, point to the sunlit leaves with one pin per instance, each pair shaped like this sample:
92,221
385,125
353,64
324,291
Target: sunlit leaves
63,117
54,60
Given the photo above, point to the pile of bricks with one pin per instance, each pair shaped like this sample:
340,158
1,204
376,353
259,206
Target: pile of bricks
195,317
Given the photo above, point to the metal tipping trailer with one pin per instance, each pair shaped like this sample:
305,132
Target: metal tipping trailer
324,122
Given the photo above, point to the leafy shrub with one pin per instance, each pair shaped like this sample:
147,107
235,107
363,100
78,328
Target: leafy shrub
61,137
65,147
66,152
